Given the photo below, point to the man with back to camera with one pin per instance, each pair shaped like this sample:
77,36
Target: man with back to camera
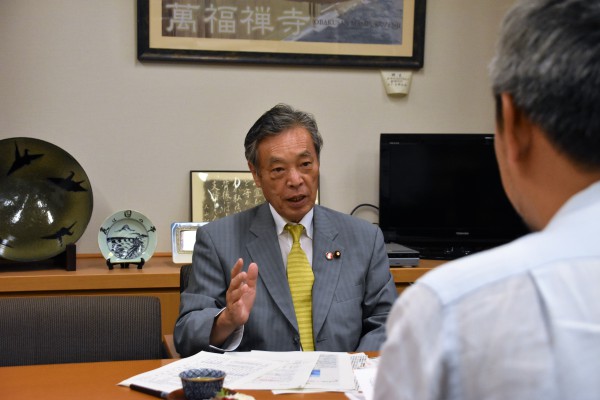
250,306
521,321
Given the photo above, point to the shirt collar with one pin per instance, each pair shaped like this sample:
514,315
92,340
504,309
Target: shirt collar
280,222
582,199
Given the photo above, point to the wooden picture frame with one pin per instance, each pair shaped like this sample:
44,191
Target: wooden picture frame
351,33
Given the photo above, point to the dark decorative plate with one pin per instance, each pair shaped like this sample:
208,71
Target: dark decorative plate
46,199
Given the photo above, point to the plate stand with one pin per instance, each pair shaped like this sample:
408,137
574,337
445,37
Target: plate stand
66,259
111,265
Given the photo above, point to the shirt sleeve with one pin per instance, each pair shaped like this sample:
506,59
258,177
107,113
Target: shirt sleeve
233,341
412,358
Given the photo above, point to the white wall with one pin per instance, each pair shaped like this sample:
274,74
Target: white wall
69,75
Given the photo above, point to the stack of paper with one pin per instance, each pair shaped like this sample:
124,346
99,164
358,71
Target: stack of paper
282,372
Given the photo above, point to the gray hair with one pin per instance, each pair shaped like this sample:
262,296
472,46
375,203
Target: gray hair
276,120
548,60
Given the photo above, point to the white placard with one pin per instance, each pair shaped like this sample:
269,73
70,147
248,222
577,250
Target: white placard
397,82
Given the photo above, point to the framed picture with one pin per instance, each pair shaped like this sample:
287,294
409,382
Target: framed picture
183,237
359,33
216,194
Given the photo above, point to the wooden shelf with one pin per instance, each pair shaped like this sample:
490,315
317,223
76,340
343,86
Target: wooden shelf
159,277
92,274
405,276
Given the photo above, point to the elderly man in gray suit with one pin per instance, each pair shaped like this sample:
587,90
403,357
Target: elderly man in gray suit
239,298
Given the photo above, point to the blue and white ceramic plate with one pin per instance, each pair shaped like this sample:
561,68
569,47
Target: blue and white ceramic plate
127,236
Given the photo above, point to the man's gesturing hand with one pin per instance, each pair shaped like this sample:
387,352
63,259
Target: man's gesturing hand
239,298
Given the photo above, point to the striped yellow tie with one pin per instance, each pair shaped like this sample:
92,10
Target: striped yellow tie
301,278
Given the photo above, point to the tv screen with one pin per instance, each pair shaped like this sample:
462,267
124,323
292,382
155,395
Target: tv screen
441,194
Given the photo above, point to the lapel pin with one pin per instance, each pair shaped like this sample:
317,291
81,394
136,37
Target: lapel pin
331,255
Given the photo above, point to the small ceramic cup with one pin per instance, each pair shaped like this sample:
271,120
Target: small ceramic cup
201,383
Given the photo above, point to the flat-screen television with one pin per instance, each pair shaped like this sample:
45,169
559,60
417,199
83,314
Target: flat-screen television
441,194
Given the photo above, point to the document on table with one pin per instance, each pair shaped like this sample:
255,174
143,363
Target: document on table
243,371
294,369
332,371
366,381
365,377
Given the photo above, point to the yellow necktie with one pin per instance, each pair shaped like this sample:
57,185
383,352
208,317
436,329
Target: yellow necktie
301,278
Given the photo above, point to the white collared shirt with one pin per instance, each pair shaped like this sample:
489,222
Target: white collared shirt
521,321
285,238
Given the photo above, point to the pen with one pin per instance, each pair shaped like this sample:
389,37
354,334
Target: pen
153,392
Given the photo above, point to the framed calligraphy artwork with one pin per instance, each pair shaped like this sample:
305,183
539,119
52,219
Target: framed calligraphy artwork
217,194
359,33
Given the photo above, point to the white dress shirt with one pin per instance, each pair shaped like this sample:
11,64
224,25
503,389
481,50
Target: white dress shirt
285,238
521,321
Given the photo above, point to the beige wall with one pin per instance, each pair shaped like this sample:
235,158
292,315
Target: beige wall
69,75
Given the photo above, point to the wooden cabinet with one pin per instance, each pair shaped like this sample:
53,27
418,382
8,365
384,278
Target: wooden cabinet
159,277
405,276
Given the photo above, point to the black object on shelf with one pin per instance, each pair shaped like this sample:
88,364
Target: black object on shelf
123,265
67,259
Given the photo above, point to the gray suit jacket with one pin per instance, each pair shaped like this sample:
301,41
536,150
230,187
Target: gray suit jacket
352,294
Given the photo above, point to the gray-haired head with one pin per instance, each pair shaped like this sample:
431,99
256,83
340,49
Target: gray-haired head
275,121
548,60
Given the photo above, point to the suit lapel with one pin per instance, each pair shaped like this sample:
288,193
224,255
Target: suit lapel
265,252
326,270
